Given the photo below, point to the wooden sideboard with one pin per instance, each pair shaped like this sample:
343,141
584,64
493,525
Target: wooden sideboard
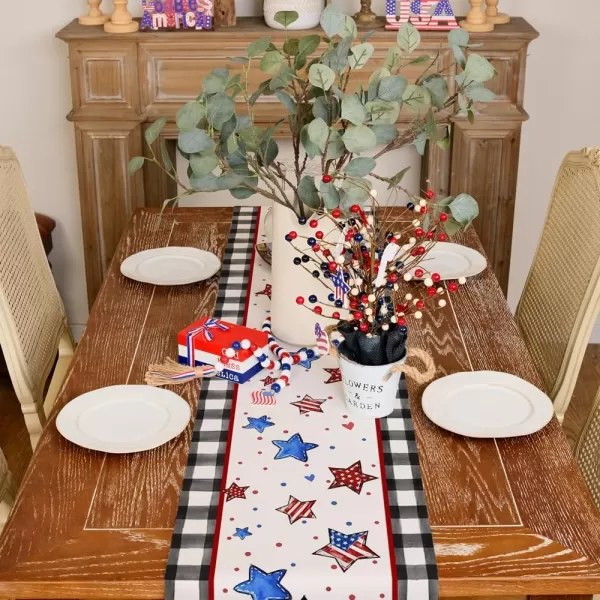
122,83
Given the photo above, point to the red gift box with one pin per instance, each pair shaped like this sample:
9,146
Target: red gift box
205,341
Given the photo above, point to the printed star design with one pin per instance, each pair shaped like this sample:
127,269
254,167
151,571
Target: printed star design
265,292
308,404
264,586
259,424
268,380
242,533
293,448
235,491
352,477
335,375
346,549
298,509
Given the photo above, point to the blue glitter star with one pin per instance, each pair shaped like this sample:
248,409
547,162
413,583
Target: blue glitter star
293,448
242,533
264,586
259,424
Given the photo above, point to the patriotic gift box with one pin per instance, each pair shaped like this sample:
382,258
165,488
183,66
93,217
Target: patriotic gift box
205,341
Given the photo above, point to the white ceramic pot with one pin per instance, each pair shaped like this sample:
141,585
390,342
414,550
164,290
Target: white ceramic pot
366,392
309,12
293,323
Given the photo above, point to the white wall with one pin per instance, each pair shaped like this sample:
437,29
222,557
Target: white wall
562,95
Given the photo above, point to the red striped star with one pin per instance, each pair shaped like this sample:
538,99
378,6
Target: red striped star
335,375
308,404
352,477
265,292
235,491
268,380
346,549
298,509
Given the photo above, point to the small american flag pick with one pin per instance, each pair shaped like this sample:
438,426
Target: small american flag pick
341,287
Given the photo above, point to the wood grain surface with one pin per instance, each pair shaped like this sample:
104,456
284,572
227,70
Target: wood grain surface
509,518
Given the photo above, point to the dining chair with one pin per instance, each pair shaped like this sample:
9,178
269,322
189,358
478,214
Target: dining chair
8,490
561,298
34,335
587,450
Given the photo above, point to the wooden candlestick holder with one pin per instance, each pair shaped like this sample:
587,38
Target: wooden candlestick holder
493,16
121,20
95,16
476,19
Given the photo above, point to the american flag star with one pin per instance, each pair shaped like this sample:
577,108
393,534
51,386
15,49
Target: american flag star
265,292
346,549
351,477
308,404
268,380
298,509
335,375
235,491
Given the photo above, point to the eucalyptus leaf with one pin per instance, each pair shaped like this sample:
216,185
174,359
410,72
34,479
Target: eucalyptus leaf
242,122
189,115
338,57
309,146
290,47
242,193
408,37
195,141
464,209
204,183
383,112
392,88
471,116
318,132
452,227
268,151
135,164
204,163
238,59
329,112
286,17
251,138
308,44
258,47
374,82
353,109
214,82
479,93
330,195
384,134
349,29
228,128
231,145
287,101
459,55
229,180
166,158
479,68
394,54
420,141
416,97
321,76
307,191
335,145
360,167
359,138
356,191
445,201
332,21
154,130
397,178
444,143
271,62
438,88
219,109
431,125
361,53
458,36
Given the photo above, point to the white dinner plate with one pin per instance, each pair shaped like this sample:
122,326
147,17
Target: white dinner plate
487,404
124,418
452,261
173,265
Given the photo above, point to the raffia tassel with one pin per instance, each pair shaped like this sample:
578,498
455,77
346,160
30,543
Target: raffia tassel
417,376
173,373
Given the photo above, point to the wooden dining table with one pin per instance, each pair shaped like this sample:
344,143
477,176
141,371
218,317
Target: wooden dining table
510,517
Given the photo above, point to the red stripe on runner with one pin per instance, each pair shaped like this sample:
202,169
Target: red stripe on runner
213,558
388,518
